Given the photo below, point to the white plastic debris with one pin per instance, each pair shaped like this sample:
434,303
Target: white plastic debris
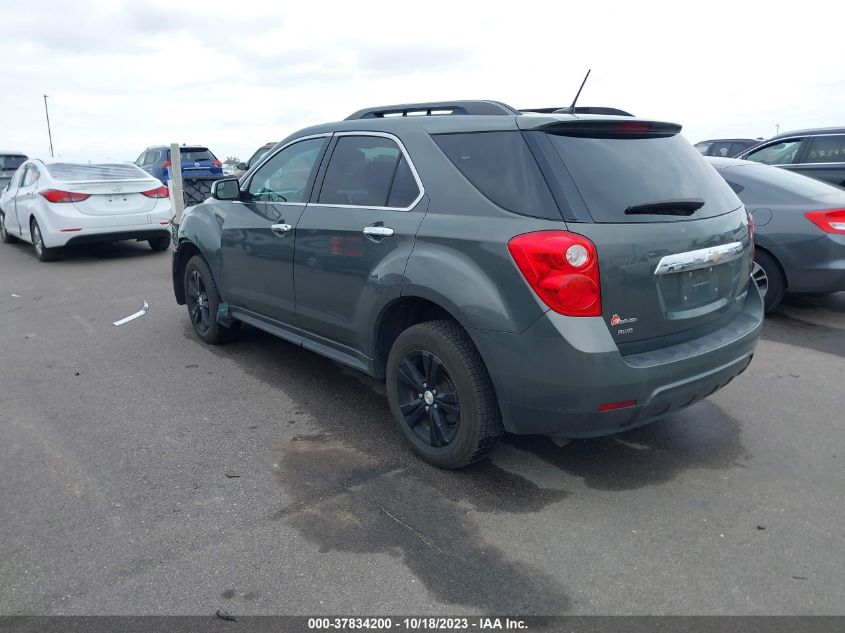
132,317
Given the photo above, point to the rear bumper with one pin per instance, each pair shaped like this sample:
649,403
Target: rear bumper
552,378
117,236
815,265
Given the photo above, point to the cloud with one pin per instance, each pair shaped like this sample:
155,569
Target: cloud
124,74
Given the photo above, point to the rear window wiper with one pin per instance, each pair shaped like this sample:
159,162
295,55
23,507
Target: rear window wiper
686,206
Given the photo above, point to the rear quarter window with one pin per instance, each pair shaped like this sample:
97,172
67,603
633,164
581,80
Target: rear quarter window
612,174
500,166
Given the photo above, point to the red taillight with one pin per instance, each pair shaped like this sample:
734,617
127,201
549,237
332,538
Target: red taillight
159,192
562,268
57,195
165,164
611,406
828,221
632,127
216,163
751,228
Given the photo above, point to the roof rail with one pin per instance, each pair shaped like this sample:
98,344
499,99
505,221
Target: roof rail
579,110
435,108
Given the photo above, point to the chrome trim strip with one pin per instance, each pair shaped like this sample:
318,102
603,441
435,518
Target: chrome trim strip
701,258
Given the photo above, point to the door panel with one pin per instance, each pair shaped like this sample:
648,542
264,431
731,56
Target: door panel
258,232
343,276
353,243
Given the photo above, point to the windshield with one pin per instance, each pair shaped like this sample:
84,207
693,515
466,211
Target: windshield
613,174
10,162
258,156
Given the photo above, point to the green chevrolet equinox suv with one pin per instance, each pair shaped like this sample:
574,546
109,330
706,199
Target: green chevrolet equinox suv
568,275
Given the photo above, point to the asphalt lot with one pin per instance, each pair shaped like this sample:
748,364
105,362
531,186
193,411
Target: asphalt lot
142,472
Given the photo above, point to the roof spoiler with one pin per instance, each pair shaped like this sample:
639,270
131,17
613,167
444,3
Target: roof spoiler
579,110
435,108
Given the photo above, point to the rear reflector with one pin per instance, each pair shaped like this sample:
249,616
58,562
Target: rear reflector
165,223
159,192
828,221
57,195
70,230
611,406
562,268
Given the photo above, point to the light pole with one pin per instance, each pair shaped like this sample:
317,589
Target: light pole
49,133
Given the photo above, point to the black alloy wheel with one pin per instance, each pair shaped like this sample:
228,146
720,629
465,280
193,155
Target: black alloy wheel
428,398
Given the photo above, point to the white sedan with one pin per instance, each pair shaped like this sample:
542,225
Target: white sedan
51,204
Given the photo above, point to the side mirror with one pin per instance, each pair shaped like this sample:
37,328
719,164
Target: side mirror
242,166
226,189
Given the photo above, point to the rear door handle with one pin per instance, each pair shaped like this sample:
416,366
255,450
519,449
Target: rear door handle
378,231
281,229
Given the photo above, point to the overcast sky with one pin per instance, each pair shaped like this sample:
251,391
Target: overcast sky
233,75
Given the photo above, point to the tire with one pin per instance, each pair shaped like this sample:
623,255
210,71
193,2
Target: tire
43,253
770,280
5,236
159,243
202,299
470,423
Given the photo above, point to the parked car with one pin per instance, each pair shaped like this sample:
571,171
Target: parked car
52,204
818,153
9,163
253,160
726,147
800,228
568,276
197,162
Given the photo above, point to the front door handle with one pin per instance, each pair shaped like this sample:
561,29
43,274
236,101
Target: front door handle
378,231
281,229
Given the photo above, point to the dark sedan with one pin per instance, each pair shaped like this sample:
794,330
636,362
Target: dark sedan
818,153
800,228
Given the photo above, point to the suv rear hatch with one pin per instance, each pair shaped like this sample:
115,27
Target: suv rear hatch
9,164
198,162
672,238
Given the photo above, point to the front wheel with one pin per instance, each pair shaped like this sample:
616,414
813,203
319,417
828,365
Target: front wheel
160,243
43,253
5,236
203,299
441,396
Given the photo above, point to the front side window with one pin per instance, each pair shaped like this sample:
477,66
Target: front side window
702,147
368,171
720,149
826,149
783,153
285,177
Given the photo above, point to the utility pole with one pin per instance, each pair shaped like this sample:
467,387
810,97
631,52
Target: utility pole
49,133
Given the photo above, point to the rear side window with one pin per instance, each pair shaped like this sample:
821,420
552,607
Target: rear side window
367,171
783,153
826,149
613,174
500,166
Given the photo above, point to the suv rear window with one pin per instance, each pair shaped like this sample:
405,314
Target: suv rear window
612,174
195,153
500,166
